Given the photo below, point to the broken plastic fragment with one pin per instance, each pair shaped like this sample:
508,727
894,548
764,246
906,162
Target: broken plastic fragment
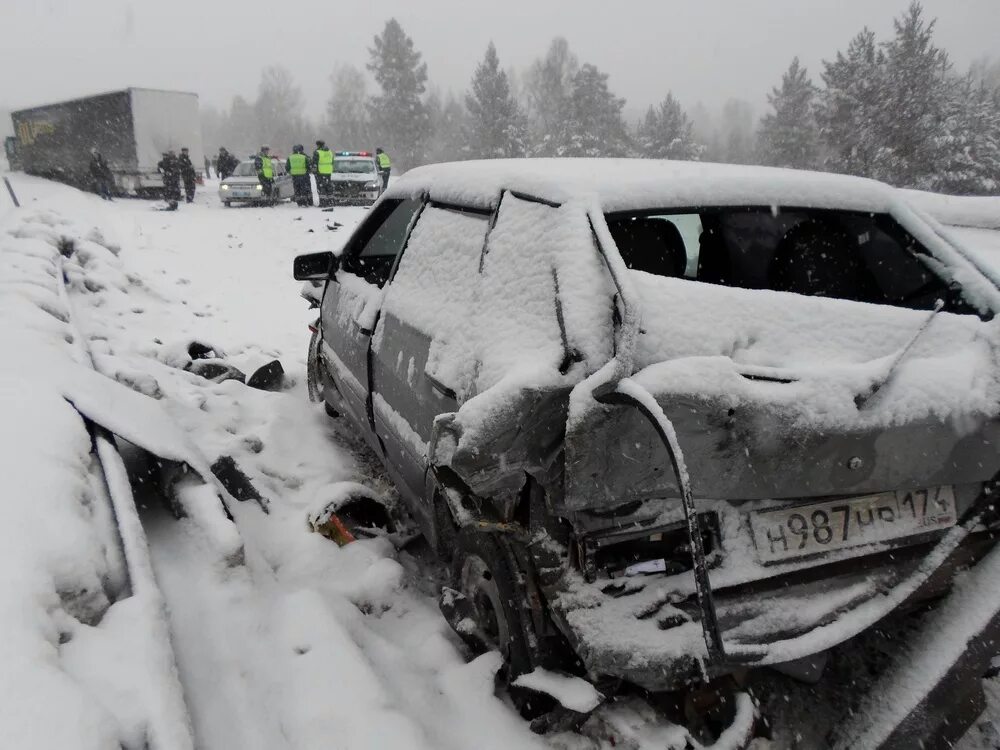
574,693
334,530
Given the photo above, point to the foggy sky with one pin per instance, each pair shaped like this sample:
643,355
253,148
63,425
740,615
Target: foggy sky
702,50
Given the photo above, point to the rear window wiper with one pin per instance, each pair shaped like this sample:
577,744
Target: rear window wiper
862,399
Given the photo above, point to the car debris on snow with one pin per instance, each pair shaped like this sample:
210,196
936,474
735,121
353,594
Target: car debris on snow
572,692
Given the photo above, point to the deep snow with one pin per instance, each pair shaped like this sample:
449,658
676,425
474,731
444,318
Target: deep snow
307,645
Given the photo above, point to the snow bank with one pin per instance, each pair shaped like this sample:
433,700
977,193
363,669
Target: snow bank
83,661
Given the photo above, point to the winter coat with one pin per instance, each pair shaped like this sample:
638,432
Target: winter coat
186,168
225,164
99,168
169,168
264,166
327,161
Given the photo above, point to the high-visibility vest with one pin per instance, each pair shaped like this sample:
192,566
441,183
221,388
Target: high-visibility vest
266,167
383,161
298,164
324,161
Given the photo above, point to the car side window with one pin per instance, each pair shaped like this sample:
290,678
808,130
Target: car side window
849,255
373,251
665,245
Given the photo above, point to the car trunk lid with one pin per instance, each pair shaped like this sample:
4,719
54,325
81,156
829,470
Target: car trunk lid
775,395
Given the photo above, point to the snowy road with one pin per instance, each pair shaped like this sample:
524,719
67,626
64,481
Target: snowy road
308,645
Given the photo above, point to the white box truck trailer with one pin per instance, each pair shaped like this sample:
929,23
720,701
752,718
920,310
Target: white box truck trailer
131,128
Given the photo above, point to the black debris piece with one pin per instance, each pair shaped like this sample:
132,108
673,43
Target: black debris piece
270,377
236,483
198,350
216,371
67,246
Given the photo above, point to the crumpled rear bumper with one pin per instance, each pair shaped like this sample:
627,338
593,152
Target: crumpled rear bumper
641,629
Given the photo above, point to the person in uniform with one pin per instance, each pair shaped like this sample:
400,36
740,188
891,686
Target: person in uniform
322,163
170,170
297,165
188,175
100,172
265,171
384,164
225,163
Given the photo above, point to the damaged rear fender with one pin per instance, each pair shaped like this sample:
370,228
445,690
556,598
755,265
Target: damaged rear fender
487,453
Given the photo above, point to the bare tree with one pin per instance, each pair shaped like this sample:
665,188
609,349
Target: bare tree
346,111
278,110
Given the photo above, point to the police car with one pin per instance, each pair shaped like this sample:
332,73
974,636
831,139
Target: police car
355,178
242,186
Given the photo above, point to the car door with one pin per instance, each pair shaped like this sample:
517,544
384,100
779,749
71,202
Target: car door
422,361
282,180
351,303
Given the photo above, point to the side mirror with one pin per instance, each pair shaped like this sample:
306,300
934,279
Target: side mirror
314,266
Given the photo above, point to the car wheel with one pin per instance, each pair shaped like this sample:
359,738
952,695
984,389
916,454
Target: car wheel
314,378
484,574
227,204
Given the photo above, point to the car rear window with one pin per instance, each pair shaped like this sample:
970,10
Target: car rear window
855,256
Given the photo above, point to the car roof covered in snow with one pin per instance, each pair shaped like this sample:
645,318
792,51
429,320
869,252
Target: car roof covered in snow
636,184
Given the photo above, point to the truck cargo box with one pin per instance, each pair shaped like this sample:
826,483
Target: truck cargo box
131,128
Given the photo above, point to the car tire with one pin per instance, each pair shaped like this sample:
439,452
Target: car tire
483,573
227,204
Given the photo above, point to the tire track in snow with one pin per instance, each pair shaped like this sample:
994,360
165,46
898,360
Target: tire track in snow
212,615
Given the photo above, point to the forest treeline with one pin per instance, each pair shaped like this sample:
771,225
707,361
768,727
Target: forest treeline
895,109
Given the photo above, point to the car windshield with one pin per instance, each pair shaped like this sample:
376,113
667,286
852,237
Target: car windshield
245,169
354,166
847,255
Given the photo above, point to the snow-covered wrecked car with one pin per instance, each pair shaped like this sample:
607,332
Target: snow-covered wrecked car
685,418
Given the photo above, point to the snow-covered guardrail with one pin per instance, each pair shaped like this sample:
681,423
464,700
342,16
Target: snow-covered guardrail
79,593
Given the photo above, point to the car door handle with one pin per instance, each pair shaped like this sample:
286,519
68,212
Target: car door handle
361,328
440,387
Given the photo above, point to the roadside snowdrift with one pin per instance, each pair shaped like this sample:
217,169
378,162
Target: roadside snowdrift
85,664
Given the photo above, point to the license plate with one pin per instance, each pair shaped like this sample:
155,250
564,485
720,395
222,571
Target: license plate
786,533
241,193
